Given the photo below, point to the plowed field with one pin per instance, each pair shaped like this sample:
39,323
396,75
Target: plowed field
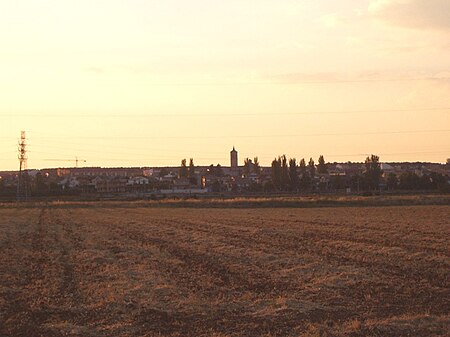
347,271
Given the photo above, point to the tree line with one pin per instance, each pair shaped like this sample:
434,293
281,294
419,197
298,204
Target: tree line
290,174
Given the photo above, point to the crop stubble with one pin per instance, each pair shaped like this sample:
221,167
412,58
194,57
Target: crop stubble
98,271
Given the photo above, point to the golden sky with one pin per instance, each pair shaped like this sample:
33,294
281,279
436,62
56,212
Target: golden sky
146,83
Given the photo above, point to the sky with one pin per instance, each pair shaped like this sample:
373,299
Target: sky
148,83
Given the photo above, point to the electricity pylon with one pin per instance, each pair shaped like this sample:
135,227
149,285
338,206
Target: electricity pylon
22,183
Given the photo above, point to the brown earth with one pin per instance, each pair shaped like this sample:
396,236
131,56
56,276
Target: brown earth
347,271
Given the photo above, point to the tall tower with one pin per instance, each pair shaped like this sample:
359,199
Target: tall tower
234,158
22,183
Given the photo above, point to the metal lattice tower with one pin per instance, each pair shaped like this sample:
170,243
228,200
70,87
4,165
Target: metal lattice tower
22,184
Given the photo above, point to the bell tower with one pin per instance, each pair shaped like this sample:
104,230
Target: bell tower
234,158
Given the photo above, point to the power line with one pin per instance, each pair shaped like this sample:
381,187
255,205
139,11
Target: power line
284,80
368,80
269,157
181,153
224,155
260,135
124,115
369,133
79,147
388,154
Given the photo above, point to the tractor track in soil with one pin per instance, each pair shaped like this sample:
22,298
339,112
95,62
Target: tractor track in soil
46,294
181,272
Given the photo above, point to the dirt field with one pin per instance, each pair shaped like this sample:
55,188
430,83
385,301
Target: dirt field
98,271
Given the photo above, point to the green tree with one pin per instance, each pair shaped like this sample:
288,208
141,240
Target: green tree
183,170
373,172
322,167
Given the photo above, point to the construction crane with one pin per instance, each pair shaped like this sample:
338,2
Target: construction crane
76,160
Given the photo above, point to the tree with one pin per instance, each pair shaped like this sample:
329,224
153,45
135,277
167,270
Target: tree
392,181
285,181
311,168
215,170
303,171
191,172
183,170
357,182
439,182
216,186
293,174
302,167
276,173
218,172
256,166
2,185
39,186
409,181
268,186
337,183
373,172
163,172
322,167
247,166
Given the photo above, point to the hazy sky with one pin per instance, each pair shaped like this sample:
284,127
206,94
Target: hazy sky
143,82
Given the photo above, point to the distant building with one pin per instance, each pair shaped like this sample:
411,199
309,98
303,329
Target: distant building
387,169
234,158
138,181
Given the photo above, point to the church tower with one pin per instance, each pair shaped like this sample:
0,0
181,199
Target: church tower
234,158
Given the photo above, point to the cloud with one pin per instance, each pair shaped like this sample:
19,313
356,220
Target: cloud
421,14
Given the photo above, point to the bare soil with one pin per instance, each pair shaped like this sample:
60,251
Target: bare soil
113,271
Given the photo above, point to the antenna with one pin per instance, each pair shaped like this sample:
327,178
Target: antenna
22,184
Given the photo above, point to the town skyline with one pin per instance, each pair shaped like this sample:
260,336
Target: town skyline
285,174
234,160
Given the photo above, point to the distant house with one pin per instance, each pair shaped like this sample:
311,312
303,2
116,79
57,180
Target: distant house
138,181
171,176
110,185
387,169
69,183
181,184
151,172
